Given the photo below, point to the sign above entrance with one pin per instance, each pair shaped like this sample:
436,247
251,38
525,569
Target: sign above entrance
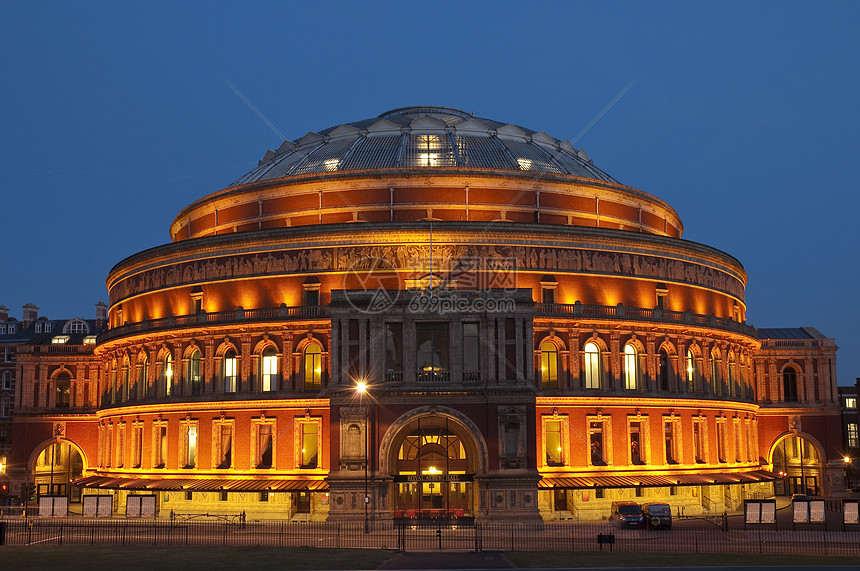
434,478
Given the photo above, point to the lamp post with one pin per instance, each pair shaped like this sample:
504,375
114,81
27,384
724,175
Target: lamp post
361,389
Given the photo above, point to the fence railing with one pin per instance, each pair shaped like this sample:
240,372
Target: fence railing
423,536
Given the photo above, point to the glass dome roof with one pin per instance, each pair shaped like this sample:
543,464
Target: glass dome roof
420,138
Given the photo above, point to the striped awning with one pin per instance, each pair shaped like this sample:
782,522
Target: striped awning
203,484
647,480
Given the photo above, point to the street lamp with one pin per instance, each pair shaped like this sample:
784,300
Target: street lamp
361,390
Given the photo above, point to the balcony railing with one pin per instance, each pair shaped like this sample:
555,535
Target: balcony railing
322,312
643,314
217,318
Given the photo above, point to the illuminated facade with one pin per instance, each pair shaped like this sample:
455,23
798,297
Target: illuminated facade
536,340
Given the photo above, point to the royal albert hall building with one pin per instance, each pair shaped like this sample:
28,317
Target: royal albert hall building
533,339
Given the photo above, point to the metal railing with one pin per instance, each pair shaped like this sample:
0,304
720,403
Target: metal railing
643,314
415,535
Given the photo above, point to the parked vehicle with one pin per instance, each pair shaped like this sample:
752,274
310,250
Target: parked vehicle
657,515
626,514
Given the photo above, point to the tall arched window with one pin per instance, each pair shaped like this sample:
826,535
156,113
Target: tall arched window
731,370
125,382
231,377
313,367
665,370
631,369
591,367
64,390
789,385
194,374
549,365
692,371
142,378
269,370
167,375
717,374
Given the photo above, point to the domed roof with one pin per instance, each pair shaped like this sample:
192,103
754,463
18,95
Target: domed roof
424,137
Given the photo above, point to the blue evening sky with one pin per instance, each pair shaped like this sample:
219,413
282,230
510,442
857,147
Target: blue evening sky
741,115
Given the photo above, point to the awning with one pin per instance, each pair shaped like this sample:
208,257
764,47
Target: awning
203,484
651,481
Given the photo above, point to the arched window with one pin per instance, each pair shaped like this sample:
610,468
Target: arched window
269,370
692,371
549,365
631,369
142,378
313,367
194,374
231,376
717,374
732,388
591,367
64,390
665,370
789,385
76,325
167,375
125,381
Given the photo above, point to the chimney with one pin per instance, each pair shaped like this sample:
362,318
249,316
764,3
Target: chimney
101,314
31,312
4,313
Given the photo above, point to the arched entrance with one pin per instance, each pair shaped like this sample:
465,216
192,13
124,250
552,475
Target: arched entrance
433,459
54,470
798,462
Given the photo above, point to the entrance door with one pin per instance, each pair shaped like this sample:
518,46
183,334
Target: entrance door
560,500
302,502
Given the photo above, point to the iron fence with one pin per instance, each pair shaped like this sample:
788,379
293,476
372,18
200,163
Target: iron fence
428,536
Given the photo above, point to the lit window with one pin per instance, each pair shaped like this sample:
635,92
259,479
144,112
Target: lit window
224,443
90,340
592,366
525,164
670,431
313,367
692,371
850,402
60,339
269,370
310,445
230,372
549,365
631,373
554,442
194,375
332,164
853,436
264,446
167,375
596,433
189,445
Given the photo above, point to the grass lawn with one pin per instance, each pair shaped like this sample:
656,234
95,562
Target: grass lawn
538,559
187,558
261,558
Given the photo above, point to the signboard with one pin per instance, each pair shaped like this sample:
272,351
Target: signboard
816,511
50,506
800,512
850,511
753,512
98,506
759,511
433,478
768,511
140,506
147,506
